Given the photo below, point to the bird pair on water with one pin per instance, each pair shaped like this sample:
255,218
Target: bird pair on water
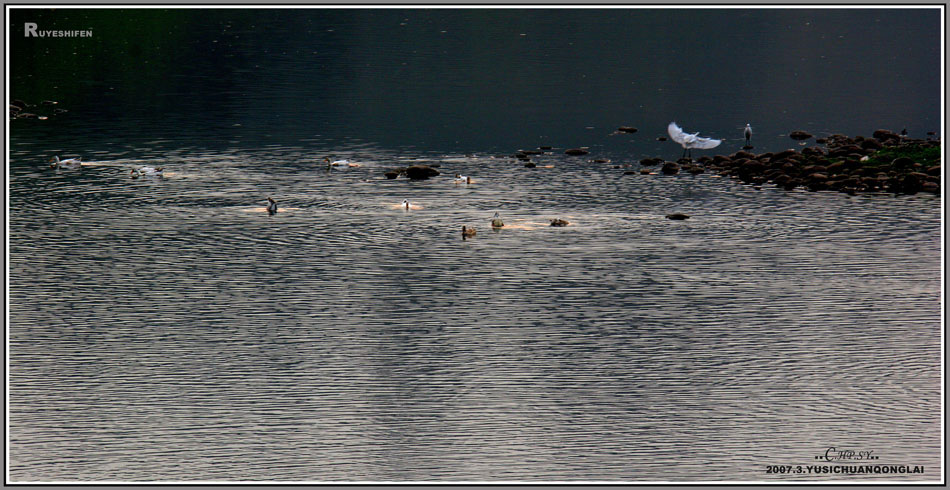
693,140
496,223
76,163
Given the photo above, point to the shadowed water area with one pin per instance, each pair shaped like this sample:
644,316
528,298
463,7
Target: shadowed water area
170,329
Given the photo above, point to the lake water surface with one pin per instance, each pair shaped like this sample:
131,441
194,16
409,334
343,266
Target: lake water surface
169,329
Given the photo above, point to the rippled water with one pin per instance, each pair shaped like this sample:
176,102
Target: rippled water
172,321
169,329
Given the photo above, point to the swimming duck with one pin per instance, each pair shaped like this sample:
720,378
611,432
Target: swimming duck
405,204
271,206
462,179
151,170
559,222
146,172
55,162
467,232
496,222
339,163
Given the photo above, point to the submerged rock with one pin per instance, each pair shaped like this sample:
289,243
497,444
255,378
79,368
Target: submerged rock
884,135
670,168
799,135
901,163
576,151
742,154
677,216
421,172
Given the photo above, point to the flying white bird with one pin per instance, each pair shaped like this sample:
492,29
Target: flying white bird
690,141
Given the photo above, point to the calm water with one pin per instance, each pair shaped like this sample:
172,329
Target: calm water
168,329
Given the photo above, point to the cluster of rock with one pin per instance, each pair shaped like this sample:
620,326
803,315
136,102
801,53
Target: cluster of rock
18,110
525,155
844,165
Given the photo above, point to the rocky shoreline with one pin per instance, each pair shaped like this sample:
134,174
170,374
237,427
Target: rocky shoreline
47,109
887,162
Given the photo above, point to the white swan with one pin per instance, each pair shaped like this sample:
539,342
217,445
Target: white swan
690,140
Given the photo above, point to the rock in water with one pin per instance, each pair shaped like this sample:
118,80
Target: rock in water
670,168
677,216
799,135
421,172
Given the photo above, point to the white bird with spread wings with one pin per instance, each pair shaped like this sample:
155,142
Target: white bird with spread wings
690,141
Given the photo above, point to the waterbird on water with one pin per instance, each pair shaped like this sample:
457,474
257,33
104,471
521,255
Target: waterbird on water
462,179
467,232
496,221
55,162
748,135
339,163
271,206
149,170
690,140
405,204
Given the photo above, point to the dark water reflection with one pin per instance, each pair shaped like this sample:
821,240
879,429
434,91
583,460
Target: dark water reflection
169,329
